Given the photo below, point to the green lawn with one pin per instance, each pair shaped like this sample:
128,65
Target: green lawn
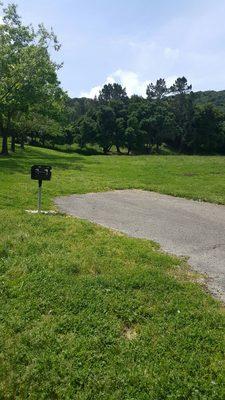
86,313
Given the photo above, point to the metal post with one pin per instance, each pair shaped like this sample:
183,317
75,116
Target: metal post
39,195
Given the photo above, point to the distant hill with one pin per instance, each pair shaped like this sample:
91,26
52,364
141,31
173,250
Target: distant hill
210,96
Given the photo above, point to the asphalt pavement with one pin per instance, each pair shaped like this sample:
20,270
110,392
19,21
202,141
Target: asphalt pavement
182,227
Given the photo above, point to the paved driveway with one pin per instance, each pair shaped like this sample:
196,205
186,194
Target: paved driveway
182,227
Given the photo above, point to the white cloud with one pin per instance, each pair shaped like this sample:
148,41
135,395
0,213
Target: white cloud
128,79
92,93
96,89
131,81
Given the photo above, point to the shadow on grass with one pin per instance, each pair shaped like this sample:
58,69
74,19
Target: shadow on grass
84,152
22,160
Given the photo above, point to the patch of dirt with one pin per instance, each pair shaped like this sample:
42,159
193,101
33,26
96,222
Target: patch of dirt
190,174
129,333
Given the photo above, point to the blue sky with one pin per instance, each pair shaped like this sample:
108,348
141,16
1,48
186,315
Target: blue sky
134,42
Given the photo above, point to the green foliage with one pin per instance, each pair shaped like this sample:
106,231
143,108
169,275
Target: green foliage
119,137
28,76
180,86
168,117
112,92
207,122
106,125
77,107
86,131
210,96
157,91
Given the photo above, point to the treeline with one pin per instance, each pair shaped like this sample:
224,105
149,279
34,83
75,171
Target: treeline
35,110
168,116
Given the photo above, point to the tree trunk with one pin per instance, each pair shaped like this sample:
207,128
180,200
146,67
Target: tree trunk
157,148
22,142
106,149
181,146
149,148
43,141
13,145
118,149
4,151
5,134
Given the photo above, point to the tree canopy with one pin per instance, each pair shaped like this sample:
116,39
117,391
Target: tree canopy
28,76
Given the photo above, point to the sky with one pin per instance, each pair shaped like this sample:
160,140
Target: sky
134,42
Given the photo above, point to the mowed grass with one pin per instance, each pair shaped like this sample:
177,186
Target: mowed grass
87,313
195,177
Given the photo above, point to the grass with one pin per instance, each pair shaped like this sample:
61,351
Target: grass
196,177
87,313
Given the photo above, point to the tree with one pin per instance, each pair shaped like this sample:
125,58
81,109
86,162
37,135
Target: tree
69,135
180,90
132,139
79,106
27,74
118,136
208,133
157,91
147,129
85,131
180,86
37,129
163,124
106,125
112,92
